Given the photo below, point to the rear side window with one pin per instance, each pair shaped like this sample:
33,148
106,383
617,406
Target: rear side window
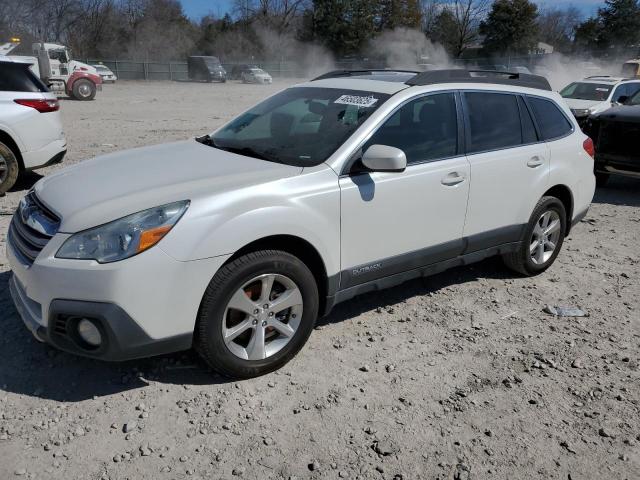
494,121
551,121
16,77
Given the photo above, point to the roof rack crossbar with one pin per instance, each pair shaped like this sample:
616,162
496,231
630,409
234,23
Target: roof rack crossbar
351,73
432,77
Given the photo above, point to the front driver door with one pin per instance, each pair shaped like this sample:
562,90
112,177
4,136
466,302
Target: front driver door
394,222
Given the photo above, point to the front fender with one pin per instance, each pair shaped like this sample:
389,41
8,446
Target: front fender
306,206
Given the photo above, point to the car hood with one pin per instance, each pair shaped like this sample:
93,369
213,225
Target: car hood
624,113
577,104
111,186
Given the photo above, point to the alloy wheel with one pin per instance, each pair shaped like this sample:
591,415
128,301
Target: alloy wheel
4,168
262,316
545,236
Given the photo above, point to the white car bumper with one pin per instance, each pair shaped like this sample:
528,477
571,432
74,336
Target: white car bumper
143,306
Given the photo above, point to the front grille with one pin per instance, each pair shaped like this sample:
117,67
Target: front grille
31,228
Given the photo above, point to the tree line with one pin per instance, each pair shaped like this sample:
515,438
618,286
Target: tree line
275,29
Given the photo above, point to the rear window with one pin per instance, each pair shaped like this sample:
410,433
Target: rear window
551,121
16,77
494,121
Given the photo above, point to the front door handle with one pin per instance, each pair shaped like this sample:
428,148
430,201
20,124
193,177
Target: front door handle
453,178
534,162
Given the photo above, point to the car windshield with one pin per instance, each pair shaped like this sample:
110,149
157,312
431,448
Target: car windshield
300,126
257,70
212,62
100,68
587,91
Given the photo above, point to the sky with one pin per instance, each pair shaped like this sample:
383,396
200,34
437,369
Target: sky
198,8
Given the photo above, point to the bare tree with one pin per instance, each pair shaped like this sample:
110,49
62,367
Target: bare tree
467,15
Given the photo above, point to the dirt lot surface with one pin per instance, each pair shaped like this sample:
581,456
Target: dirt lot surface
457,376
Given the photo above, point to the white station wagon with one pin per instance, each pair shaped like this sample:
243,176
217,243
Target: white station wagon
234,243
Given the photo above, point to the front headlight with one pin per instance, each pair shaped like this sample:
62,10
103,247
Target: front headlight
125,237
581,112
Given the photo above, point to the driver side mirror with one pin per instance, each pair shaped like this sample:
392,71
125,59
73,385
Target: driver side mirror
622,99
382,158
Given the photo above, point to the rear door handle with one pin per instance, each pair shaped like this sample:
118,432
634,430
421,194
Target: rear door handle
534,162
453,178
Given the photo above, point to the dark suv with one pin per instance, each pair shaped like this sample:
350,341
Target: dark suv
615,133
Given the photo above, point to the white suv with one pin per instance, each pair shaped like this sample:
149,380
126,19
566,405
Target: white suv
597,94
30,128
235,242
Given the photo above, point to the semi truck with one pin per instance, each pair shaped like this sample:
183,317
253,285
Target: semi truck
55,66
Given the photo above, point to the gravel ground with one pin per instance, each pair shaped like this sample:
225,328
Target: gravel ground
457,376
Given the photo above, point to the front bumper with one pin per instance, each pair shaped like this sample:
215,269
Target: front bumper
122,338
143,306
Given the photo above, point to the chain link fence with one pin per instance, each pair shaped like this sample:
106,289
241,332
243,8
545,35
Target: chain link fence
135,70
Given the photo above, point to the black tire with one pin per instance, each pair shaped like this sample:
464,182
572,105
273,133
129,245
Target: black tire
602,179
9,168
84,89
227,281
521,261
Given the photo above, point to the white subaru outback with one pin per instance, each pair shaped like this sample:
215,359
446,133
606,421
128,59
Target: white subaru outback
234,243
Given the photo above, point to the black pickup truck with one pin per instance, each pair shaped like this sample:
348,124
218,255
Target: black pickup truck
616,135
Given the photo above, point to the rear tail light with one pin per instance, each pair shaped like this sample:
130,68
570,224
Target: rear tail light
588,147
41,105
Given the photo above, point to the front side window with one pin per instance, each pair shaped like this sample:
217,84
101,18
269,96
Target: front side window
424,129
494,121
635,99
597,92
300,126
550,119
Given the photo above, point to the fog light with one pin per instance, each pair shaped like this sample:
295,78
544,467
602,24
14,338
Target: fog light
89,332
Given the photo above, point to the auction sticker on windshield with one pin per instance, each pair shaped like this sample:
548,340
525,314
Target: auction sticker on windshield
356,100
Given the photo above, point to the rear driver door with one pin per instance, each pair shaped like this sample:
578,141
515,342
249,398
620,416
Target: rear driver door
509,166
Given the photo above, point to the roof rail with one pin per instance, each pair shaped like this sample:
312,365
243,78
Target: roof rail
480,76
352,73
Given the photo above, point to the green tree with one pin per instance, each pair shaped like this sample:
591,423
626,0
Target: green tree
586,36
444,30
399,13
619,24
343,26
510,27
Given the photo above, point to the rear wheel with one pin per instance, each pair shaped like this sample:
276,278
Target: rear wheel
543,238
84,89
9,168
256,314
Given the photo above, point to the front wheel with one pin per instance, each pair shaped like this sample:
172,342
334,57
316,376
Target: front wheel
9,168
543,238
257,313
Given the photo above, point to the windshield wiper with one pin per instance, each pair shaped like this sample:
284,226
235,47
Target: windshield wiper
250,152
247,151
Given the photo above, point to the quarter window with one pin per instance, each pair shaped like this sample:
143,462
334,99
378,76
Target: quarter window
551,120
425,129
494,121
